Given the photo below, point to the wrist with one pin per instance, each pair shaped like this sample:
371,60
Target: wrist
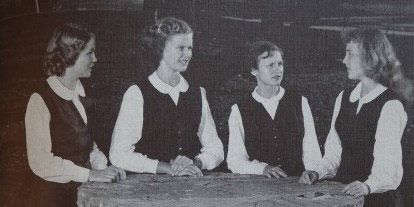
368,188
197,162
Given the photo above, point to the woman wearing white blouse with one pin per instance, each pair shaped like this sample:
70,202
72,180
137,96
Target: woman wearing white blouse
271,131
165,124
59,147
363,147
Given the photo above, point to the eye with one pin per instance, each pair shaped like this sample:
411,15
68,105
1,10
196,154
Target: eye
280,63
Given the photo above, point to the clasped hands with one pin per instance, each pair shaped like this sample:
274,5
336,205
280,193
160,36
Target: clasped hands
355,188
182,165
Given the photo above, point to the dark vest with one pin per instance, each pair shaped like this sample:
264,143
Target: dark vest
278,141
70,140
169,130
357,135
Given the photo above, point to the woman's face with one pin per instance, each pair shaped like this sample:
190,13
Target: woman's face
354,61
178,52
86,59
270,69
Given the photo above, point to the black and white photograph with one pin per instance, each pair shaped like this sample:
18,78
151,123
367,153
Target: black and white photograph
226,103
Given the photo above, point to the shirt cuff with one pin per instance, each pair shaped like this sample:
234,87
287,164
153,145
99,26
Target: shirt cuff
80,174
152,166
206,162
372,185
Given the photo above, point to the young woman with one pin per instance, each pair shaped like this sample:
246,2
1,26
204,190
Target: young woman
271,131
59,147
165,124
363,147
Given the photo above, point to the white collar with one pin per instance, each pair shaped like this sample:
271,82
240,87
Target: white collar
64,92
262,99
356,93
163,87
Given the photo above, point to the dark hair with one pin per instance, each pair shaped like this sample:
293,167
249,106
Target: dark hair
64,47
155,37
255,49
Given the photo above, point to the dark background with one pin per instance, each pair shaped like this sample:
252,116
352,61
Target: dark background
222,28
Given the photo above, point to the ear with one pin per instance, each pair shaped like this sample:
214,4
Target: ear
253,71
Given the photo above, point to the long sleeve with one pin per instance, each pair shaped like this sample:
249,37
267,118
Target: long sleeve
311,152
237,157
39,147
128,132
387,170
211,154
333,148
97,158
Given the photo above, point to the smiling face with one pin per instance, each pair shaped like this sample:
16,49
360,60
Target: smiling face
354,62
178,52
86,59
269,70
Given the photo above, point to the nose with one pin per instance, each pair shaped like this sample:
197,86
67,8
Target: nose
188,52
345,59
94,59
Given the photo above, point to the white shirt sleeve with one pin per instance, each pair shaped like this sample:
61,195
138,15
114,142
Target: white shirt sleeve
311,152
127,132
237,157
97,158
333,148
387,170
39,147
212,153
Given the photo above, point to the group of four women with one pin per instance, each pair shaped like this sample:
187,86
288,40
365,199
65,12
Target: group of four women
165,125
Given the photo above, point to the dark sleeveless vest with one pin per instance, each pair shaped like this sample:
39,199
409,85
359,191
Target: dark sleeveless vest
70,140
278,141
169,130
357,135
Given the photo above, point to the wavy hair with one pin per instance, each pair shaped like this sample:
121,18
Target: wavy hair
379,55
64,47
154,38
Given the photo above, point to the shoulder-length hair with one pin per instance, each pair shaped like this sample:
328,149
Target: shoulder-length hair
64,47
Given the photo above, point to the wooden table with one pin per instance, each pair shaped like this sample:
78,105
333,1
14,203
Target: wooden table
215,189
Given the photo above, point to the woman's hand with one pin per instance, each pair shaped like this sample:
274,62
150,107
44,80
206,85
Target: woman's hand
107,175
274,171
309,177
357,188
191,170
179,164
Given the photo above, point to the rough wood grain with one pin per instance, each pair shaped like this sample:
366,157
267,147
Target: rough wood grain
217,189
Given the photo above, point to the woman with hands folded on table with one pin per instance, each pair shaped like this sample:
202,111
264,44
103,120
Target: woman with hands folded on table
165,125
363,147
271,130
60,149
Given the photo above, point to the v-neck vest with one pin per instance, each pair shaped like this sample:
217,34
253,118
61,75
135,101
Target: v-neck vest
275,141
169,130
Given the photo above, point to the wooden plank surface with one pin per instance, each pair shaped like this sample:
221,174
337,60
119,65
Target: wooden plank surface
216,189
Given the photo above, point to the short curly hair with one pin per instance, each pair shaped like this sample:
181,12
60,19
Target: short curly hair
64,47
154,38
254,50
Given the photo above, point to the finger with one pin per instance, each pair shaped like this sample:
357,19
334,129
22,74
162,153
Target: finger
274,174
179,159
267,174
280,172
305,178
123,174
197,171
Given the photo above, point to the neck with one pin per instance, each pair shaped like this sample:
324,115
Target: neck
68,82
267,91
170,77
367,86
